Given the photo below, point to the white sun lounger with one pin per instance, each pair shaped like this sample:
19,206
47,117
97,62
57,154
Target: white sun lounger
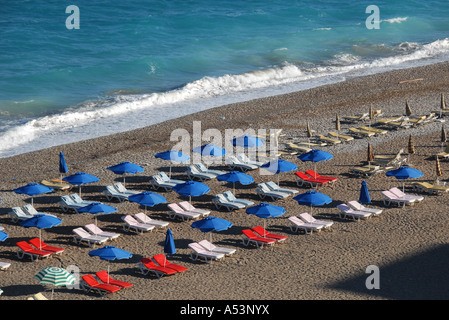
211,247
193,173
308,218
234,163
67,203
96,231
122,189
129,223
82,235
390,198
396,191
263,191
17,214
202,168
274,187
177,212
187,206
143,218
220,201
231,197
308,228
200,252
348,212
359,207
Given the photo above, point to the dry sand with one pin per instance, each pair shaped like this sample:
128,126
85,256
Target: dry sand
409,245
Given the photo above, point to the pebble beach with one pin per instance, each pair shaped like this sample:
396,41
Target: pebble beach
409,245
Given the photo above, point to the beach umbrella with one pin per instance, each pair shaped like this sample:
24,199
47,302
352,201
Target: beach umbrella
277,166
33,189
443,103
247,141
364,194
411,146
370,156
110,253
404,173
371,112
56,277
169,244
80,178
210,150
210,224
62,164
191,189
3,236
309,130
337,123
315,156
236,176
41,221
172,156
97,207
312,198
265,210
147,198
125,167
443,134
439,171
408,110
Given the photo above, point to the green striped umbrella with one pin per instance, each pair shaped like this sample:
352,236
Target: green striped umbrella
55,276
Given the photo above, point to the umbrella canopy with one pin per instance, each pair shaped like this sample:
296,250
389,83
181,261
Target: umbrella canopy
172,155
279,165
247,141
41,221
169,244
315,155
110,253
57,277
312,198
3,236
209,224
147,198
404,173
80,178
33,189
97,207
125,167
210,150
236,176
266,210
191,189
62,164
364,197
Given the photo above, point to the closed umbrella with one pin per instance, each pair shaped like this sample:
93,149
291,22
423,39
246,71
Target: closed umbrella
125,167
172,156
169,244
408,110
33,189
210,224
110,253
312,198
404,173
191,189
370,155
364,197
147,198
80,178
309,130
443,136
62,164
56,277
279,165
247,141
236,176
439,171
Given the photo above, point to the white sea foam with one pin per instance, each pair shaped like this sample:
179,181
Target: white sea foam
395,20
126,112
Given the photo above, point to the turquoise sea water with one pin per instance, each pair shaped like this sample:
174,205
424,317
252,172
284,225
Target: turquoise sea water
135,63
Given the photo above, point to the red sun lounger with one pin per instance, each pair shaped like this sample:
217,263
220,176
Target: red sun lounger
250,237
41,245
89,283
26,249
146,265
162,261
265,234
106,278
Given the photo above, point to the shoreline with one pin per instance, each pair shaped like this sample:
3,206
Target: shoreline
325,266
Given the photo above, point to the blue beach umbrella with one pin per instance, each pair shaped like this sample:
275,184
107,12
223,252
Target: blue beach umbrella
62,164
191,189
278,165
210,224
315,156
110,253
125,167
364,197
312,198
147,198
266,210
236,176
210,150
172,156
33,189
247,141
169,244
404,173
41,221
80,178
97,207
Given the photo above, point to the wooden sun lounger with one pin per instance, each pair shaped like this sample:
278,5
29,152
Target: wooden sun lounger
327,140
341,136
361,133
375,130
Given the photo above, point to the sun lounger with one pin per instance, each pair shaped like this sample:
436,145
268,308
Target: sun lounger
233,163
303,179
274,187
260,231
202,168
96,231
402,124
211,247
56,185
89,283
396,191
199,251
231,198
111,193
389,160
297,147
143,218
366,170
175,211
81,235
355,205
25,249
248,237
328,140
123,190
146,265
299,225
362,117
315,175
129,223
430,188
389,119
187,206
29,209
390,198
17,214
193,173
106,278
37,296
375,130
445,153
417,120
348,212
244,159
359,133
67,203
308,218
264,191
41,245
162,261
78,200
4,265
221,201
341,136
157,182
